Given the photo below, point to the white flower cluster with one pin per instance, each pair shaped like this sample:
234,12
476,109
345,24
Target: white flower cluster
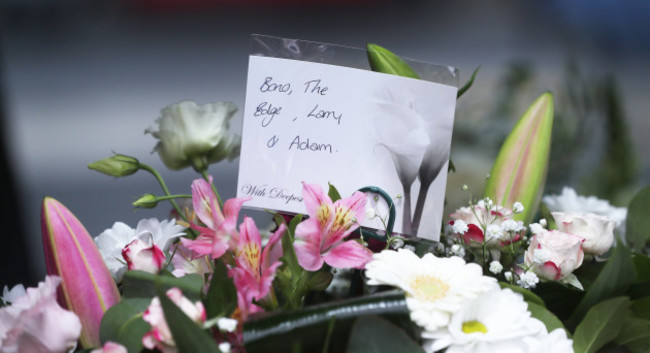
459,309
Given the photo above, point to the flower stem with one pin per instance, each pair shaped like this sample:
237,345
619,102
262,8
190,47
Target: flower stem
158,177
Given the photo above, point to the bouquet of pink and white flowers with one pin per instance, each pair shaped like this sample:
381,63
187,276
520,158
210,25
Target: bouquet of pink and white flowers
502,278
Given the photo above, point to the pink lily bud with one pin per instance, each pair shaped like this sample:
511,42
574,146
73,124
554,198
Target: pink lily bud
144,256
87,286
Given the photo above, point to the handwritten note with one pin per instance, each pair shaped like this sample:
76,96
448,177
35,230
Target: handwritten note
352,128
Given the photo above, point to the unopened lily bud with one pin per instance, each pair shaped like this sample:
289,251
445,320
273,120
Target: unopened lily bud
146,201
118,165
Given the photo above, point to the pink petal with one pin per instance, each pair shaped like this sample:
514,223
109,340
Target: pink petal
249,251
473,235
348,212
200,246
232,207
205,203
307,245
273,251
348,254
315,198
550,271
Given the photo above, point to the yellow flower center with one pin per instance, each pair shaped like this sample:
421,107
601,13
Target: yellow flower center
323,214
474,326
429,288
252,255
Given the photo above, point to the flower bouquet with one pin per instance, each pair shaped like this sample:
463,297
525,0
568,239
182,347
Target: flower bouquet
502,278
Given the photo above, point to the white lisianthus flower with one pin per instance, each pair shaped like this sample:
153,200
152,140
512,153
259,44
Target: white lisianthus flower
195,135
435,287
10,296
569,200
35,322
598,231
496,321
112,241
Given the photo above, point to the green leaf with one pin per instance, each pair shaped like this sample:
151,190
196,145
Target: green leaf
122,323
529,296
544,315
614,280
308,327
189,337
221,299
333,193
140,284
642,266
383,60
560,299
519,171
372,334
467,85
641,308
601,325
637,224
635,332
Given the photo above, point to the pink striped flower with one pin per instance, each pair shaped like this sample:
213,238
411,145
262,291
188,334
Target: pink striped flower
321,238
220,231
255,268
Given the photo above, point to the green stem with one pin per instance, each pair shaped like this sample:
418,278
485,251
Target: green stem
206,176
158,177
171,197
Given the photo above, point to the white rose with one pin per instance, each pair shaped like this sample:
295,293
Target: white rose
598,231
195,135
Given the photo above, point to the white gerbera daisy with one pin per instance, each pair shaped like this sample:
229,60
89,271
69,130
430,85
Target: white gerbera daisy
435,287
111,241
497,321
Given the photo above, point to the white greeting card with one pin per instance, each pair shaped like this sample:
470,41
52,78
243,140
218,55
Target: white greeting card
320,123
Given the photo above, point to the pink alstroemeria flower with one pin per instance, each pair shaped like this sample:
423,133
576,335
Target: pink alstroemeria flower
321,237
255,268
220,231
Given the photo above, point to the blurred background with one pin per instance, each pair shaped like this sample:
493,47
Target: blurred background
82,79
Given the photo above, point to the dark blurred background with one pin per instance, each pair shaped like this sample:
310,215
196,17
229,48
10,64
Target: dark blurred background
80,79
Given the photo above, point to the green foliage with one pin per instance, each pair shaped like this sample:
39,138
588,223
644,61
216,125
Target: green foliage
221,299
637,226
635,335
560,299
333,193
383,60
189,337
601,325
122,323
372,334
614,280
140,284
467,85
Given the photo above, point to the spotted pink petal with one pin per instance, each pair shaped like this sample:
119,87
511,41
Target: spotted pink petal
348,254
87,286
307,245
273,251
314,199
348,212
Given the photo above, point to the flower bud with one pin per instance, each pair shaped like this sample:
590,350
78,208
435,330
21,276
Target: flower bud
146,201
118,165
